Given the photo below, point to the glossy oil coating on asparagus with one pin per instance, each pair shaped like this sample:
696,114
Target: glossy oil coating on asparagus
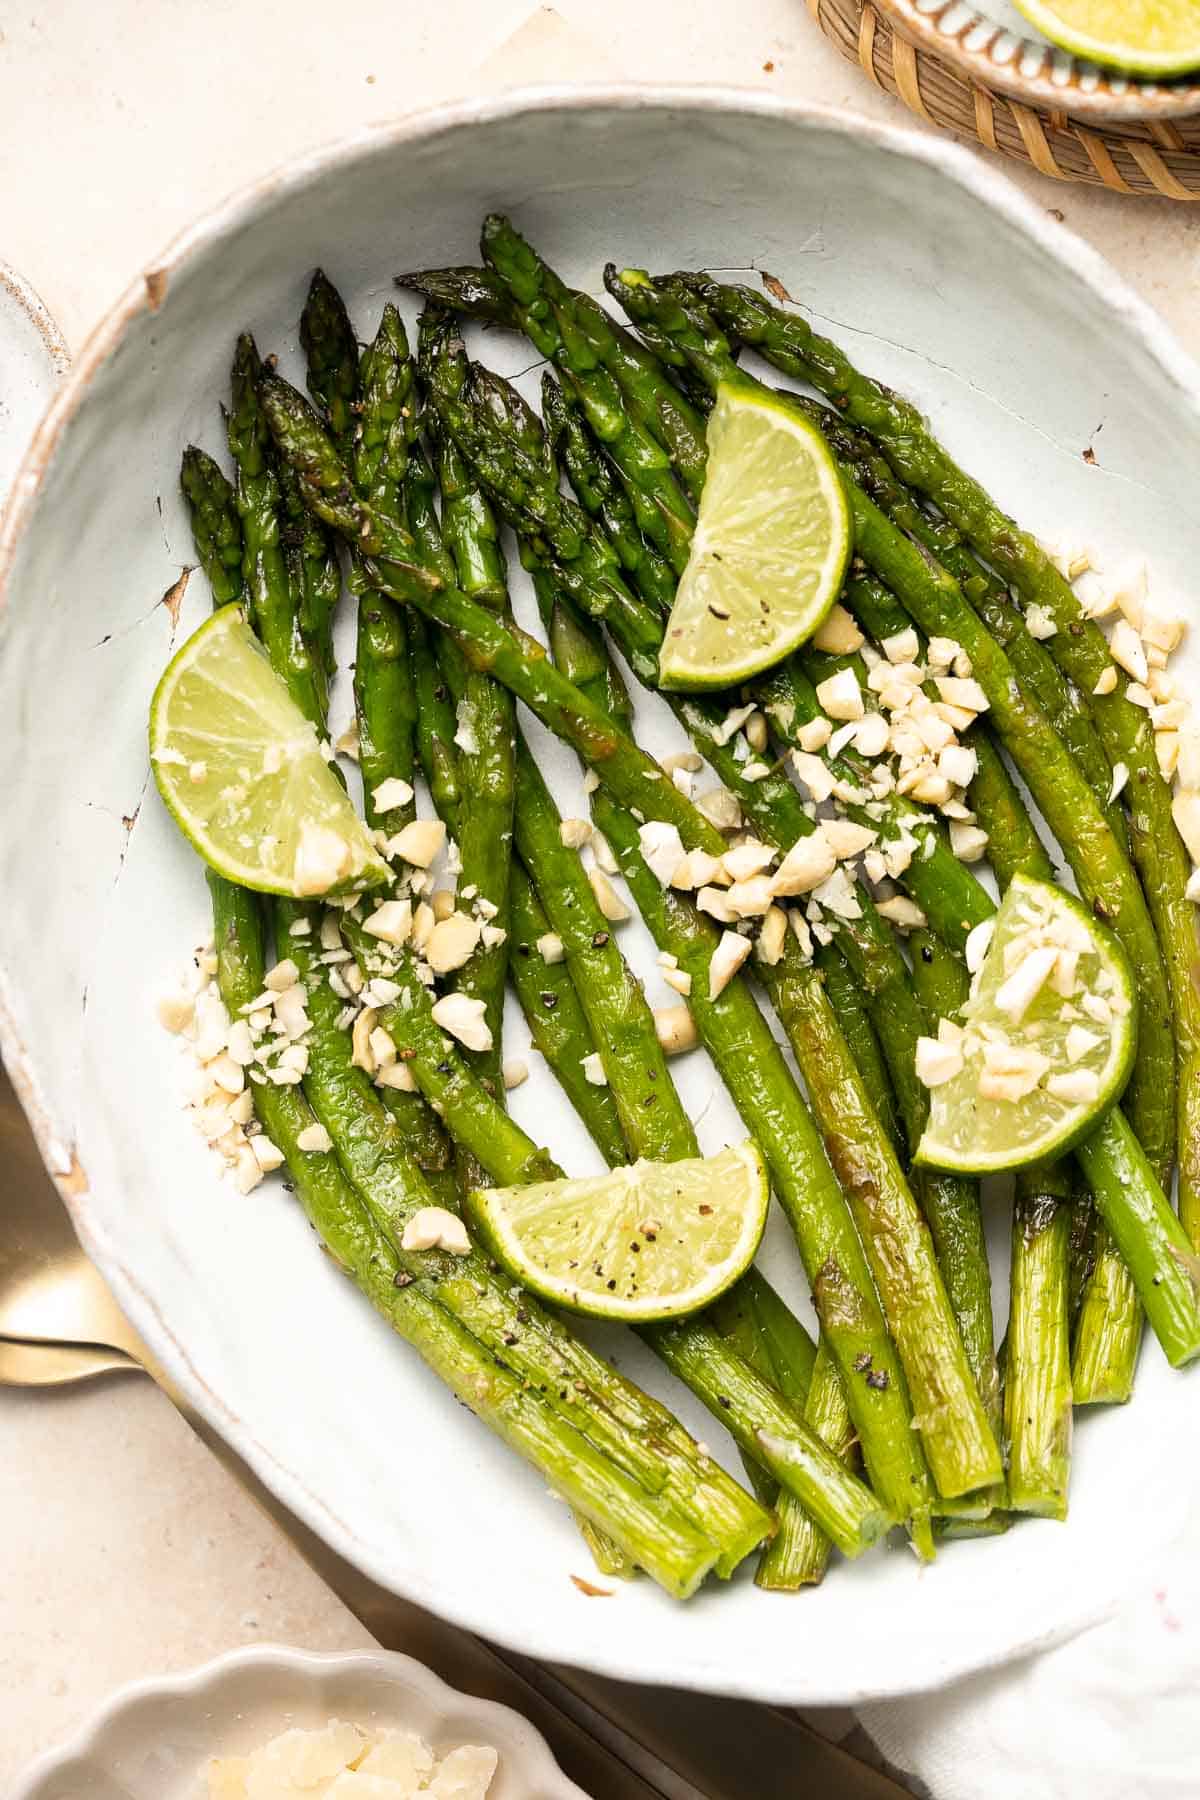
405,467
635,780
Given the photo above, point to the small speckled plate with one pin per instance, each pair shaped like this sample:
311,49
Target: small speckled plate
1000,50
154,1739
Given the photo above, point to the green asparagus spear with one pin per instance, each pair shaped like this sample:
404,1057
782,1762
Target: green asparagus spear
951,1204
331,350
602,495
556,1020
850,1004
216,528
314,572
652,1115
267,587
1037,1374
956,1432
576,643
485,709
767,1333
1078,646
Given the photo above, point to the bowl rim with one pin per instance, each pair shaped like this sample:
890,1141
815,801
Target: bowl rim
86,1742
1000,61
981,183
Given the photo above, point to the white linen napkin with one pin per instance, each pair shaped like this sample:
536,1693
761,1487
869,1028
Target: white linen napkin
1112,1715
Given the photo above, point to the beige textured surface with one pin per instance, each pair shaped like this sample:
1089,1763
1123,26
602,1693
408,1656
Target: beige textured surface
125,1547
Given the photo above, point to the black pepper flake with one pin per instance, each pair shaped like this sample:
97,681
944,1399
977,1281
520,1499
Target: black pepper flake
510,1337
704,1211
524,949
599,939
926,953
878,1379
862,1361
522,1315
402,1279
549,1001
724,1400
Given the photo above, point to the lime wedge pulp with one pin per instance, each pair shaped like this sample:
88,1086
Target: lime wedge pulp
241,770
770,548
650,1241
1046,1044
1141,37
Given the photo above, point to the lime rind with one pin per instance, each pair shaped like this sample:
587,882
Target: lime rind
972,1134
241,769
1161,54
696,1225
770,549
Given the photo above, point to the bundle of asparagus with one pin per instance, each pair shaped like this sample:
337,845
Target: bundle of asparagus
903,1412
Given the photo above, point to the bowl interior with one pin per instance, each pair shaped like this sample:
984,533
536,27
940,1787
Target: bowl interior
1026,353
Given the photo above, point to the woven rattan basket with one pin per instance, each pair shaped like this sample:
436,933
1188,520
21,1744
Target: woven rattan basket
1160,157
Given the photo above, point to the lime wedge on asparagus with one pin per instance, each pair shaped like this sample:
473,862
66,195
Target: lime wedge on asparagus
1045,1044
649,1241
1141,37
241,770
770,547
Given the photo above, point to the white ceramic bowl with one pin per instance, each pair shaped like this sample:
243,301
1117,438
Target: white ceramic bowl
1026,349
154,1739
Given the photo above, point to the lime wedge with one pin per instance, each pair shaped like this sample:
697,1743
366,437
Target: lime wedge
1046,1042
241,770
1141,37
770,548
651,1241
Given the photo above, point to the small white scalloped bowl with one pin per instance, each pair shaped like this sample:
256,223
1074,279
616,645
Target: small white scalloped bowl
154,1739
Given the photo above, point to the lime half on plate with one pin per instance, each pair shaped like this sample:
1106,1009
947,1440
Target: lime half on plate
650,1241
1046,1041
1141,37
770,549
241,770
